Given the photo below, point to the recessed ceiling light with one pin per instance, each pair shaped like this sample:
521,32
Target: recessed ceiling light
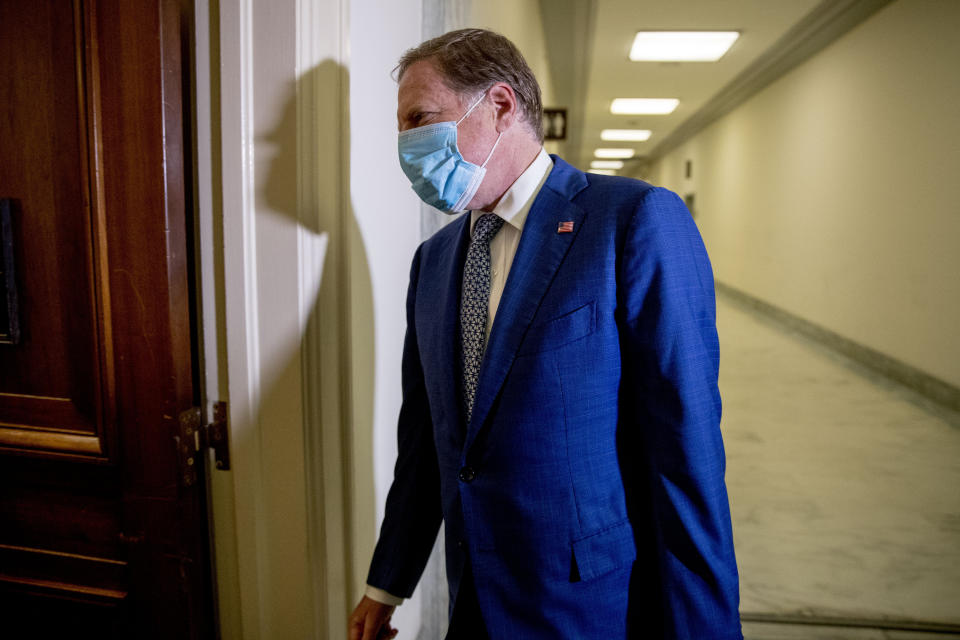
682,46
604,172
614,153
606,164
643,106
625,135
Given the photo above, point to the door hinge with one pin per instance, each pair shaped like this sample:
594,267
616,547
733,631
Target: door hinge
194,437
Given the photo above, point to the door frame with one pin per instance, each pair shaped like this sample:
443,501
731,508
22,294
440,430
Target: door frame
285,499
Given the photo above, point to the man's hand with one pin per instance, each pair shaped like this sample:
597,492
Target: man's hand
371,621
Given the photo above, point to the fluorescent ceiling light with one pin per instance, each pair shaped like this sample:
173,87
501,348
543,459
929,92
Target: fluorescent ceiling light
603,172
614,153
625,135
682,46
606,164
643,106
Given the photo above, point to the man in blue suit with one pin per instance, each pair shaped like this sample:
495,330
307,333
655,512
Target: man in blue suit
560,406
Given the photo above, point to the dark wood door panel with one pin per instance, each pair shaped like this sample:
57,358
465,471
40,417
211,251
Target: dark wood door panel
96,529
53,382
69,574
63,546
48,505
45,614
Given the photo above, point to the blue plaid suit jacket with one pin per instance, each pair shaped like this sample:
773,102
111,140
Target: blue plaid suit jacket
588,488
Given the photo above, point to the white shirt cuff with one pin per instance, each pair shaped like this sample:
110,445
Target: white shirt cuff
382,596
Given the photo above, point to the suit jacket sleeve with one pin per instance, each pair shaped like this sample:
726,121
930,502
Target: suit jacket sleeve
671,363
413,514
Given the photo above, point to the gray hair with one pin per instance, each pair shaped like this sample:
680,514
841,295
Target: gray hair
472,60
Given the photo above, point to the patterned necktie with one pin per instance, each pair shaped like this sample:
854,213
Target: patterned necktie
474,301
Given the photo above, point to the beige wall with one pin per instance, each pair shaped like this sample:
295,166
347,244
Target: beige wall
520,21
833,193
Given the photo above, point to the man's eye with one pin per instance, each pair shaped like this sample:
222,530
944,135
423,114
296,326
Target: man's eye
421,117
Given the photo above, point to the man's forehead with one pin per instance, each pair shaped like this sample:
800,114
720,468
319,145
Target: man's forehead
422,85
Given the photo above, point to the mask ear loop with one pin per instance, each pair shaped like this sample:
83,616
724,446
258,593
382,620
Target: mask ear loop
500,135
490,155
475,181
472,107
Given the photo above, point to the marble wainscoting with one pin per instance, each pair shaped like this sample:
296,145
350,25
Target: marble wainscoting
768,631
844,490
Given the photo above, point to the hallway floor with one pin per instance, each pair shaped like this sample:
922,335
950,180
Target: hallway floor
844,488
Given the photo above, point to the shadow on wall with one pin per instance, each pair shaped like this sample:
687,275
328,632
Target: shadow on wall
331,354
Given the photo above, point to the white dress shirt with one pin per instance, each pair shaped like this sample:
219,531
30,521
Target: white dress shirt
513,208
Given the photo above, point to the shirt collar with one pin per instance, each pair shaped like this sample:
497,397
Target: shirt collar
516,202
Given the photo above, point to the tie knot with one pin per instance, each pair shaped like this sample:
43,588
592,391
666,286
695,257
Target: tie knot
486,227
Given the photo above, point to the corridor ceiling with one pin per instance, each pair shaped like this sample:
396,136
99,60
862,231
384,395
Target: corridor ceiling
589,43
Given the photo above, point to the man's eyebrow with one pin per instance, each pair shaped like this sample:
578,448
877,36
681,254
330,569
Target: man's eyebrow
423,107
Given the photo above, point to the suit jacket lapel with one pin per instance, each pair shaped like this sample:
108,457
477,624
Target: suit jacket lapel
539,254
439,336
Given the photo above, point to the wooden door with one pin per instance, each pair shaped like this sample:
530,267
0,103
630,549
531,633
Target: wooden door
99,534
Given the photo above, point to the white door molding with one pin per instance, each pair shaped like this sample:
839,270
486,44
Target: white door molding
281,529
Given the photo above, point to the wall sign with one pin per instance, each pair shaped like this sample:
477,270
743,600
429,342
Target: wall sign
554,124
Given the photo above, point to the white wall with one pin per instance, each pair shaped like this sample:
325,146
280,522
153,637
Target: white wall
833,193
382,243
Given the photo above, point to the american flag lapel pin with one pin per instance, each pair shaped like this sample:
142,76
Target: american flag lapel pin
565,227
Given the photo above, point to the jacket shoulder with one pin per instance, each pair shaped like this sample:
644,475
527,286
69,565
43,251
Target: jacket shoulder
617,187
444,238
623,199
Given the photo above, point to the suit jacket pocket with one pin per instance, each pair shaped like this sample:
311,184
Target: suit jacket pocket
561,330
604,551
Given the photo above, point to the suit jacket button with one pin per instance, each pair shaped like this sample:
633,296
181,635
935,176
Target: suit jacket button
467,474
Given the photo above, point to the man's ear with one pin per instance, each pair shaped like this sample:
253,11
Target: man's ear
505,105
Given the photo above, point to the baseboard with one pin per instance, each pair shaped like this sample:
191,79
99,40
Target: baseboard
922,383
790,631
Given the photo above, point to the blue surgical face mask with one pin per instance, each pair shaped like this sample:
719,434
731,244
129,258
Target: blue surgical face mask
437,171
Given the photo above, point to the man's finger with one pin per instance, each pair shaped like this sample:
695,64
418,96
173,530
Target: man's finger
356,628
371,628
386,632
